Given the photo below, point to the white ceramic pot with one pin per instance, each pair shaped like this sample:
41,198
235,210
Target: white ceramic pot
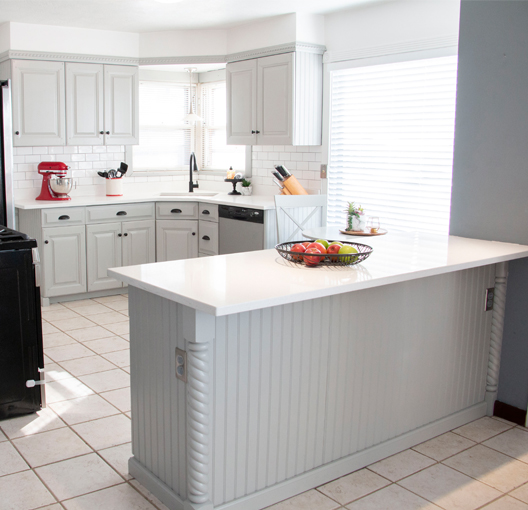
247,190
358,224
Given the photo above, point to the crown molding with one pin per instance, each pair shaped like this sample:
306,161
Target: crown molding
199,59
68,57
275,50
391,49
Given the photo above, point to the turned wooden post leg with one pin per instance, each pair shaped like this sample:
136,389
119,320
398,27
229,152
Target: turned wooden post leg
198,414
497,328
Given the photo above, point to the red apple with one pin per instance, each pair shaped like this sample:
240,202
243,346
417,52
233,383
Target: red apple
333,249
306,243
312,260
297,248
319,246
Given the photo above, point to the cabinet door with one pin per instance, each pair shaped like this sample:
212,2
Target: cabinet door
121,105
64,260
176,240
84,104
241,84
275,100
208,237
139,242
38,103
103,248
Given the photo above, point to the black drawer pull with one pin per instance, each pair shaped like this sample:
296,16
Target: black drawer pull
176,211
206,238
121,213
205,211
64,217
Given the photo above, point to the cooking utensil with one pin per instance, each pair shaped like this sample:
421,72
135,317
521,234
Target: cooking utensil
103,174
281,171
123,169
111,174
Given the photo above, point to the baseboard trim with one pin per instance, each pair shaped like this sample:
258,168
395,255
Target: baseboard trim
320,475
510,413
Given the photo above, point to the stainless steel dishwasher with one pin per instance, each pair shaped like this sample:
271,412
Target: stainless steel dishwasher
240,229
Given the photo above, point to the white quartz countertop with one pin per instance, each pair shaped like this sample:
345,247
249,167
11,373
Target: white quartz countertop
252,202
227,284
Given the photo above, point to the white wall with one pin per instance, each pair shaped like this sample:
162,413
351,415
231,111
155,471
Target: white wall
391,23
4,37
183,43
26,37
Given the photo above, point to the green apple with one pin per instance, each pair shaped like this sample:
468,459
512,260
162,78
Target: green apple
323,242
346,249
335,242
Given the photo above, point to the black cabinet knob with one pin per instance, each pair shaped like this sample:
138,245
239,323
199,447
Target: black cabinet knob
257,131
46,242
119,235
108,132
101,132
17,132
253,132
194,233
125,234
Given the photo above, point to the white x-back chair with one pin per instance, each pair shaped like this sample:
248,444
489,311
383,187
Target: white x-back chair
296,213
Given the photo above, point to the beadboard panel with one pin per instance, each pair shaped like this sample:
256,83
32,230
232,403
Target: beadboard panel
296,387
302,385
158,398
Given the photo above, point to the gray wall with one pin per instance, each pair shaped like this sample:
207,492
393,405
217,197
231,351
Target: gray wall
490,167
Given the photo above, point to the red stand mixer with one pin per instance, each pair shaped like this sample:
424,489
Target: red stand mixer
55,184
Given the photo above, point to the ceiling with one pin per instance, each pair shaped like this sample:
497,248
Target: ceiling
152,16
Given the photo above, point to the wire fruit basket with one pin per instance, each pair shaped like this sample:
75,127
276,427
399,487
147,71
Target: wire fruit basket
316,259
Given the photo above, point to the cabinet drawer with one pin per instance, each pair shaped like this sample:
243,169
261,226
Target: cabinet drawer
62,216
121,212
177,210
208,237
208,212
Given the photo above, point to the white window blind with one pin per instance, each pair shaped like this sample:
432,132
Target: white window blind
165,140
391,143
216,154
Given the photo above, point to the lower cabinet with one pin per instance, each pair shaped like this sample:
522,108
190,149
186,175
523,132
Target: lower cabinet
114,245
64,260
176,239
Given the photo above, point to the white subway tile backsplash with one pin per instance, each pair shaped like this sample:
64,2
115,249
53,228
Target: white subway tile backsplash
71,149
78,157
56,150
99,148
85,149
33,159
93,157
19,159
308,156
40,150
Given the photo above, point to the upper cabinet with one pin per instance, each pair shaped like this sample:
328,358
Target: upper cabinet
38,103
275,100
102,104
75,104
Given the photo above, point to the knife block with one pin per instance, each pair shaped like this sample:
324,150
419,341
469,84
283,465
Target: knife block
293,187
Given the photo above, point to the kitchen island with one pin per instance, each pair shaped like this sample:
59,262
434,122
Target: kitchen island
254,379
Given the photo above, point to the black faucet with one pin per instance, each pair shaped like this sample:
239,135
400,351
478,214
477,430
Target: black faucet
192,168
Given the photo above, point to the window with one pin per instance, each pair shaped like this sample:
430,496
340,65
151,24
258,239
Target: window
215,153
166,141
391,143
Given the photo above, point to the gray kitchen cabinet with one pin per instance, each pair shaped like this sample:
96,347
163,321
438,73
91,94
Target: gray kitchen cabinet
102,104
114,242
208,229
38,102
176,230
176,239
121,105
64,261
275,100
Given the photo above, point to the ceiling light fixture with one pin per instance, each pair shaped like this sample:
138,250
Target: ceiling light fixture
191,116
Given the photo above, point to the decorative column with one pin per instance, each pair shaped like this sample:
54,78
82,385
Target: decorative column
497,328
198,412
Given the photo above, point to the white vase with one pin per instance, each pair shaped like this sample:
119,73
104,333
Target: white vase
358,224
247,190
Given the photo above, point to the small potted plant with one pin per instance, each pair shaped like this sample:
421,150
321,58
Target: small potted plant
355,217
247,188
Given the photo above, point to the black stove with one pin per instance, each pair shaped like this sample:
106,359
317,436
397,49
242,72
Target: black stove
12,240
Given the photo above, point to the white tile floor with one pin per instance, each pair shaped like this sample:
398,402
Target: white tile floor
73,454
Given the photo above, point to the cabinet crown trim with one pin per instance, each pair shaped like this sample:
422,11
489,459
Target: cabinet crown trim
275,50
67,57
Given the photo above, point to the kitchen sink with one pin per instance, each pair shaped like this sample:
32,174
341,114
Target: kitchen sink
188,194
